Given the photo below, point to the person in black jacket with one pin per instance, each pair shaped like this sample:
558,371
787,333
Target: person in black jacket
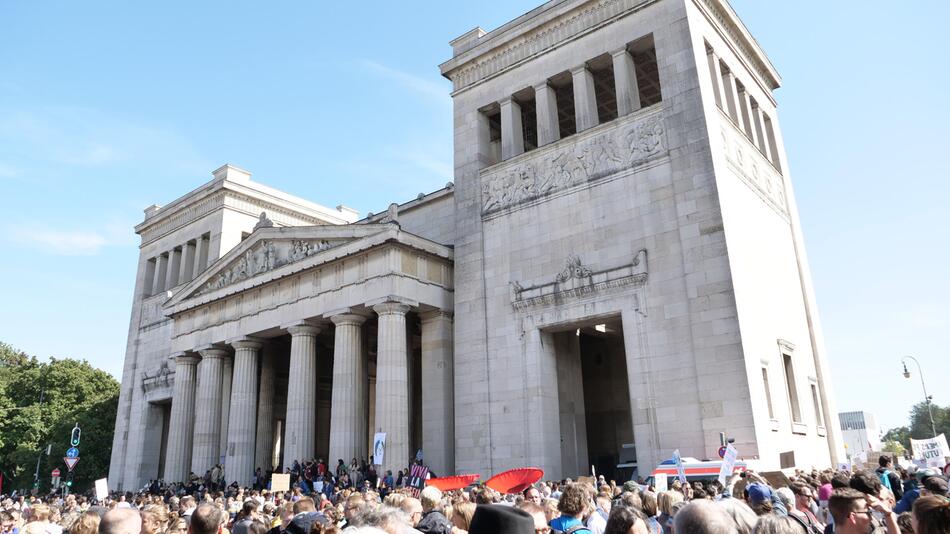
894,480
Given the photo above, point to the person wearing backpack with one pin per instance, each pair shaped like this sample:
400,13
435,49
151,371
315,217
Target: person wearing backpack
574,504
889,479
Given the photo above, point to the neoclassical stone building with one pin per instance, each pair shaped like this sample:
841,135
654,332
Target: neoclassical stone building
616,272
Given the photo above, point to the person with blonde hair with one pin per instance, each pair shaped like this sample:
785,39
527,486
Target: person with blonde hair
87,523
462,514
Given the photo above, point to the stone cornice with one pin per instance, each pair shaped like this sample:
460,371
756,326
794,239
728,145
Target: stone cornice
250,198
537,32
722,17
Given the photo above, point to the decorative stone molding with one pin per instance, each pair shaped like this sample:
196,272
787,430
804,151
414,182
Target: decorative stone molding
586,157
163,377
754,169
577,281
545,37
263,222
730,24
265,256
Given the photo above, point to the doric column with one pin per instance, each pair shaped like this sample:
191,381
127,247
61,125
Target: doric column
243,415
301,421
348,407
227,370
585,99
392,384
545,101
759,130
187,263
512,134
715,72
174,266
207,445
625,80
181,424
265,415
438,395
161,271
201,255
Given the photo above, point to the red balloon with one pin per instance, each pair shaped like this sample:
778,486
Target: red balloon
452,483
515,480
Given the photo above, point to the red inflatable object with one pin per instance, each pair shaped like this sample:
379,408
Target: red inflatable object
452,483
515,480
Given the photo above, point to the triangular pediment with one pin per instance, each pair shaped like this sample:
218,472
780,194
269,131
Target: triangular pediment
270,249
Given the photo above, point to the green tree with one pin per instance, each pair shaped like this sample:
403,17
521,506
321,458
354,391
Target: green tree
900,435
920,421
73,392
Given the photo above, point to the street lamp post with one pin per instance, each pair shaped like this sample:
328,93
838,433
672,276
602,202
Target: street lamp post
927,398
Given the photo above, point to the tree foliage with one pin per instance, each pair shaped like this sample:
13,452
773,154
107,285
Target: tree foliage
73,392
919,427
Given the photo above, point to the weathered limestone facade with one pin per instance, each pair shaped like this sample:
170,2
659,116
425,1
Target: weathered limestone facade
616,272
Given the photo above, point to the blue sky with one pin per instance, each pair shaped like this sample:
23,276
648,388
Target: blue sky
107,107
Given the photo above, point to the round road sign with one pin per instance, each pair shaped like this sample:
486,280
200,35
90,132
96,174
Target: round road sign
722,452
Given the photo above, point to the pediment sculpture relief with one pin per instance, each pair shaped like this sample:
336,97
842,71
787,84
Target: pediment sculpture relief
265,256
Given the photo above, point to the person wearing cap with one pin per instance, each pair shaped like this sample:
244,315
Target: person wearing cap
763,500
496,519
935,485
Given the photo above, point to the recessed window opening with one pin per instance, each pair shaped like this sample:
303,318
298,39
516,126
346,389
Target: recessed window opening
529,117
768,392
744,110
648,72
819,419
563,86
605,88
792,390
492,138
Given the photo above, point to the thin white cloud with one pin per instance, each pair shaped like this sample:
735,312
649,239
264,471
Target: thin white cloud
62,243
416,84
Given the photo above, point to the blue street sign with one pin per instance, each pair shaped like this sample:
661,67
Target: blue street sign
72,452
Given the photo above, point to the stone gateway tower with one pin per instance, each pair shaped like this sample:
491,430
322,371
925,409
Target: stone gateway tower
628,256
616,272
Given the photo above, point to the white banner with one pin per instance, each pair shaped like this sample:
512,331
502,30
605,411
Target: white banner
102,489
660,482
680,471
933,451
728,464
379,448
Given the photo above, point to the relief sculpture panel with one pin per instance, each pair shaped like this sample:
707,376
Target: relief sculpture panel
583,158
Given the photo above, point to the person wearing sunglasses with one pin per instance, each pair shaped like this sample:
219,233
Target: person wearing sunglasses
853,512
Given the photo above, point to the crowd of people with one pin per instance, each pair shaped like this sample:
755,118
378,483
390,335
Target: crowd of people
884,501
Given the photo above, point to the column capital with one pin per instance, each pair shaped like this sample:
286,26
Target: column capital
302,328
185,358
542,85
247,342
576,71
348,319
506,100
391,308
212,351
432,315
619,52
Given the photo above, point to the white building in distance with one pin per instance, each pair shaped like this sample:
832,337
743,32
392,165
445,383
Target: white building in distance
860,432
618,262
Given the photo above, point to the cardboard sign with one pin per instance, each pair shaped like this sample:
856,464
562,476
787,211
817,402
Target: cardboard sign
660,482
933,451
728,464
280,482
102,489
417,479
680,471
379,448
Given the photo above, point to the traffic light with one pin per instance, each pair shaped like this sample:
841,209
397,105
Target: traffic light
74,438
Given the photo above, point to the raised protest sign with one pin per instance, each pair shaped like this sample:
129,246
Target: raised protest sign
379,448
102,489
417,478
728,464
660,482
280,482
933,451
680,470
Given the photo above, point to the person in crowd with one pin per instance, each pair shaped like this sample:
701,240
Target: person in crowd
574,505
532,494
206,519
931,515
493,519
853,513
625,520
122,521
462,514
537,514
703,517
433,520
413,510
743,516
386,518
245,517
889,479
88,523
597,520
802,508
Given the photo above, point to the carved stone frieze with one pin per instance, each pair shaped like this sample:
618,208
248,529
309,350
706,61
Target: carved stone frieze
573,161
578,281
262,257
748,163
